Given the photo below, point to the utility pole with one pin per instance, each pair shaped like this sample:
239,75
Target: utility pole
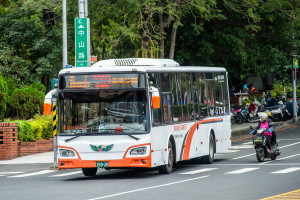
65,44
54,96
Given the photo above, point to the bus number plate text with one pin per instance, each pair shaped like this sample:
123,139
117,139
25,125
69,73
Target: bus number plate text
102,164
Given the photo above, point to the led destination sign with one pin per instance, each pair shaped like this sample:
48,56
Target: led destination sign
105,81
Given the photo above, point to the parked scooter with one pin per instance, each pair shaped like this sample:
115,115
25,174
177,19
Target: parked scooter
252,111
259,141
239,114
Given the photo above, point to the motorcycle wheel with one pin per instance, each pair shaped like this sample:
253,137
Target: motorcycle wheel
239,120
260,155
232,120
273,157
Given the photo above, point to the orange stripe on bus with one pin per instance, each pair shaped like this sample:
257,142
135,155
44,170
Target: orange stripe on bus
187,146
124,162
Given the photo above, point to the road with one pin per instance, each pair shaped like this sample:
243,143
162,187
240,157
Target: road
235,175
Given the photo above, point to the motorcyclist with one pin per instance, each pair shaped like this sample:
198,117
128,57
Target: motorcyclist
267,124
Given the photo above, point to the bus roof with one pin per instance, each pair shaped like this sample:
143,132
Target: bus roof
139,65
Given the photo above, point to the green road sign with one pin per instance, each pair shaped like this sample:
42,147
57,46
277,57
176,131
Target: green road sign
82,42
295,62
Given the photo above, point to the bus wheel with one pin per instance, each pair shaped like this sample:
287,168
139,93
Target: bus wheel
89,171
167,169
209,159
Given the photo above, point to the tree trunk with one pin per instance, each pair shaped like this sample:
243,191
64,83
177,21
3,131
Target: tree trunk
162,38
46,82
173,37
145,46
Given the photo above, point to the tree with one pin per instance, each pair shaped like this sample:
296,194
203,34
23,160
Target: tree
3,96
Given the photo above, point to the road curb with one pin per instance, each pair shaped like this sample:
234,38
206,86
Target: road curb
239,133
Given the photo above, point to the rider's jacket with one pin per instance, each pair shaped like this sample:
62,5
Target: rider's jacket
268,124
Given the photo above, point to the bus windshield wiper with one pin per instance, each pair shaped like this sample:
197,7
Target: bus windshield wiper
121,131
130,135
104,132
81,134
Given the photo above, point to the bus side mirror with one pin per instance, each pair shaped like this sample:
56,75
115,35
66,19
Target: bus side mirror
155,98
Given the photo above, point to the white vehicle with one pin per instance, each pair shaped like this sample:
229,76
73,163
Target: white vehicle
147,113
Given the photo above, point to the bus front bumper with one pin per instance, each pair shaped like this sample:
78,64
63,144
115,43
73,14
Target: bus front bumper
125,162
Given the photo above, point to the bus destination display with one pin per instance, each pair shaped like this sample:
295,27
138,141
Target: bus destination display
101,81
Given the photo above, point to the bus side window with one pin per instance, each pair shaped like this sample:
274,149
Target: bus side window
177,98
155,106
156,111
219,93
202,95
166,88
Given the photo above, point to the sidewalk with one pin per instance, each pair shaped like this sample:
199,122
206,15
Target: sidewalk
47,157
238,131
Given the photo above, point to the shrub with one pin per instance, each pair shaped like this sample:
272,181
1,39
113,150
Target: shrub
41,126
27,102
37,128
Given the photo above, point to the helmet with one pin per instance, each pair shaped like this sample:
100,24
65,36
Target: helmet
263,116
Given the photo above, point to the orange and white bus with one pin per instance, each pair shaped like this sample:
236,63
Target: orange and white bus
148,113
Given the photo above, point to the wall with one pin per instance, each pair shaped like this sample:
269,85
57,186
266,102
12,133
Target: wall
11,148
8,141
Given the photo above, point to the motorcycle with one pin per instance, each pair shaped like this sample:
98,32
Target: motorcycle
261,149
240,114
252,109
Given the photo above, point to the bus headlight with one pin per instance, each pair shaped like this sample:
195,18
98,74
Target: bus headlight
67,153
138,151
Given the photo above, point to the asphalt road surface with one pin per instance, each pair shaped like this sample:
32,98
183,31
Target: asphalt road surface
235,175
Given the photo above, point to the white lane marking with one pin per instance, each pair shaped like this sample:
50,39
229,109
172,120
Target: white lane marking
254,153
244,156
199,171
289,145
32,174
148,188
288,170
67,174
259,164
240,171
6,173
231,151
281,159
9,173
242,147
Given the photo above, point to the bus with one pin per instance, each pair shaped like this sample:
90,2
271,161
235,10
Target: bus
141,113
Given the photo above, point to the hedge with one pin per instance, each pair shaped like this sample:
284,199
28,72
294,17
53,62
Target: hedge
38,128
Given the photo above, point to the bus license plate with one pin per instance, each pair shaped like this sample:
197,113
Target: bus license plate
103,164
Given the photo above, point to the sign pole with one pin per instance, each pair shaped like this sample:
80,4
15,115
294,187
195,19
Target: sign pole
294,73
82,36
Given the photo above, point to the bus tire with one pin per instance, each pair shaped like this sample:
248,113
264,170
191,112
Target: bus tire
209,159
167,169
89,171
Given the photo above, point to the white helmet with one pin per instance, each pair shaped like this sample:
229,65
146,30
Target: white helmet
263,116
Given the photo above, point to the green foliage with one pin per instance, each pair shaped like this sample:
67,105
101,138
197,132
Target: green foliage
28,101
3,96
278,91
37,128
39,87
245,36
41,126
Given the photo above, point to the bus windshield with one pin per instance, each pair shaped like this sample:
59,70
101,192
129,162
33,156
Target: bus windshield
103,112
